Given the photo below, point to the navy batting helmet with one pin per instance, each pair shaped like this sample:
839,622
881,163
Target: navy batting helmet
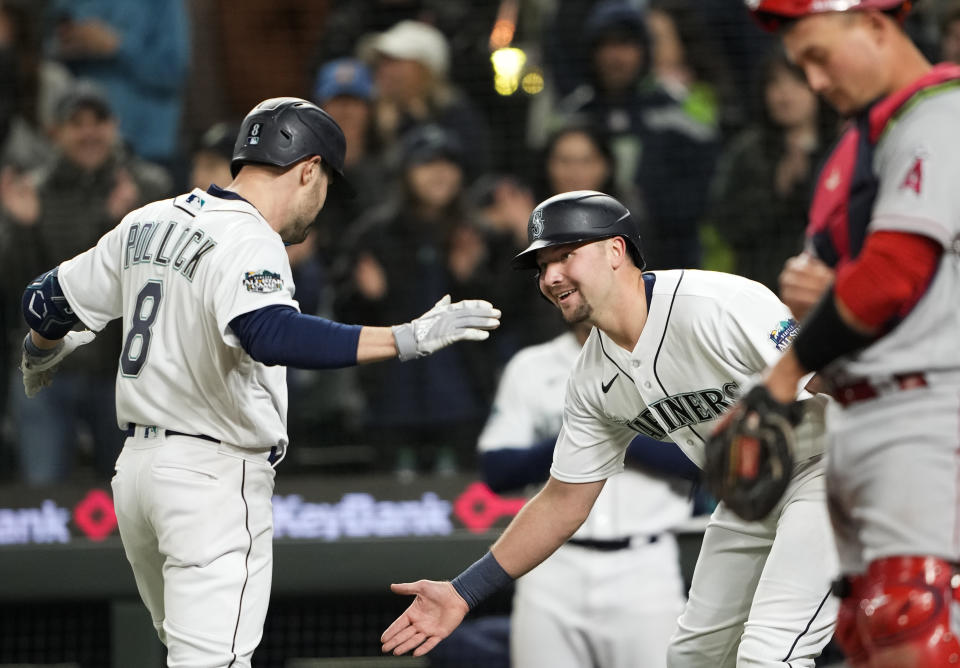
282,131
581,215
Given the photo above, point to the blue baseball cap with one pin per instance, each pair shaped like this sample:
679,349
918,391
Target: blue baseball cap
343,76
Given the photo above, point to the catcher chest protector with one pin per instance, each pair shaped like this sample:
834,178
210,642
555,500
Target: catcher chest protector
579,215
282,131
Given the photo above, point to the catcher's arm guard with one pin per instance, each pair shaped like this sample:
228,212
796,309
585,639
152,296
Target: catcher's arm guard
749,455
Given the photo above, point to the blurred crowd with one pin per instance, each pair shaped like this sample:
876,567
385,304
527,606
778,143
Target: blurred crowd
459,116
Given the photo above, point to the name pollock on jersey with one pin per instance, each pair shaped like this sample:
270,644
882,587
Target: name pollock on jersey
683,410
140,247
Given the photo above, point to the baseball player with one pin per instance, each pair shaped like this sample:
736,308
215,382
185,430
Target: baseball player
883,267
204,288
611,595
668,354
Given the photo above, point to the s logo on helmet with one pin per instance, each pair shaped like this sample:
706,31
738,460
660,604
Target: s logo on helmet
536,224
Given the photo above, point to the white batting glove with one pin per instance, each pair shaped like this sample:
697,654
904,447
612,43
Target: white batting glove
445,323
38,369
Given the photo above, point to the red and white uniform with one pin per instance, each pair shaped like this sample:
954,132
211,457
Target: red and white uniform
894,467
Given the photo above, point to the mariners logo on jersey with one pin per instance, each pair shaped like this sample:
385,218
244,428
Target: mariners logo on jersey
784,333
683,410
262,281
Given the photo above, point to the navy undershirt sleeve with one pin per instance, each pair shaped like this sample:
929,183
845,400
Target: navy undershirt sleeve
661,457
282,335
511,469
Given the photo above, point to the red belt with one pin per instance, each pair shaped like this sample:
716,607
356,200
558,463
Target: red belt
864,389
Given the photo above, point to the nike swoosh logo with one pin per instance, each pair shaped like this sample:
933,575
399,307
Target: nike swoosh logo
606,386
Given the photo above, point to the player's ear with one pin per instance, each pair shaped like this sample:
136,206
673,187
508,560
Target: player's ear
617,251
311,170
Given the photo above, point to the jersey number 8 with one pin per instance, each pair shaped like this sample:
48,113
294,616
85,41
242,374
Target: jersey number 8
137,343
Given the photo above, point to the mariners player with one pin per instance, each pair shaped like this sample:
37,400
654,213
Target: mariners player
611,595
204,288
667,357
886,218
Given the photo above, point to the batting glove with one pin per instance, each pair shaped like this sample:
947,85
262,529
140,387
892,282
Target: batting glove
445,323
39,365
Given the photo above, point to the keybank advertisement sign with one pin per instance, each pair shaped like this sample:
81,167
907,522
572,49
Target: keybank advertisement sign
313,508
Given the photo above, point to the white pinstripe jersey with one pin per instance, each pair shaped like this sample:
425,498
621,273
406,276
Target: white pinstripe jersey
178,271
528,408
707,334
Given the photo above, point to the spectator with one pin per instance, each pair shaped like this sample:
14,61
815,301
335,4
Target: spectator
85,192
762,187
402,255
287,30
19,255
658,146
950,35
344,89
690,65
27,81
211,159
580,157
325,405
139,53
411,67
502,206
22,149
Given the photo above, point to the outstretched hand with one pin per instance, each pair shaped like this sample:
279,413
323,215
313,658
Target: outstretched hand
445,324
435,612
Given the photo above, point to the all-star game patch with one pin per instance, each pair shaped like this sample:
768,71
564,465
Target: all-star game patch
262,281
784,333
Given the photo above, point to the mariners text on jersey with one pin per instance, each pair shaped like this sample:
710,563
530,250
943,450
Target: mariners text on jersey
150,242
684,410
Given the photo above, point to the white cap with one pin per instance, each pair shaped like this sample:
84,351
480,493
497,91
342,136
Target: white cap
414,40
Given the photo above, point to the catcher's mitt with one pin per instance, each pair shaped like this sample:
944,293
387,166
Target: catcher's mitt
749,457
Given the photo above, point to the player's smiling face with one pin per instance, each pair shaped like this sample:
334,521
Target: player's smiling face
565,271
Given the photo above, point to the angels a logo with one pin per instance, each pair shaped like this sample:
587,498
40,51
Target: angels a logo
536,224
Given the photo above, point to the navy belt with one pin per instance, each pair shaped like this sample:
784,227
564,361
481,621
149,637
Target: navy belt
131,431
613,544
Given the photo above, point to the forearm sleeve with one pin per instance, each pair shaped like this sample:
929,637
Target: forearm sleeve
662,458
509,469
282,335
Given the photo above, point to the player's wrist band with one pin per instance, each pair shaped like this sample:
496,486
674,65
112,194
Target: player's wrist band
405,338
34,351
483,578
825,335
